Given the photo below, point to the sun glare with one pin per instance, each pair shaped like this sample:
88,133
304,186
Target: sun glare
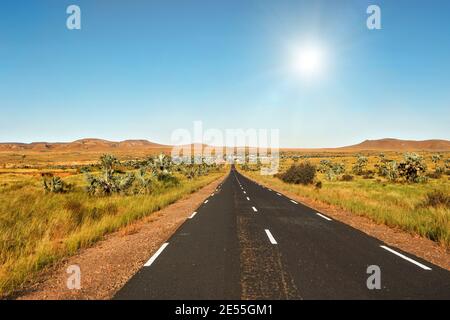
309,61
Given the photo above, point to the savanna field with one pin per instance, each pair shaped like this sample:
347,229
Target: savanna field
49,214
384,188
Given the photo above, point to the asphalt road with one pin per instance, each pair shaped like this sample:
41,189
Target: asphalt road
249,242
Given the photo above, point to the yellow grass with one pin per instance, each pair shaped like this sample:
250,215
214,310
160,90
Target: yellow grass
38,229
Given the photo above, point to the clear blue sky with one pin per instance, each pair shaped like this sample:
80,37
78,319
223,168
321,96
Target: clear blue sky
140,69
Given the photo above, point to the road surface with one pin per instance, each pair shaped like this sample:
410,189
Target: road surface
249,242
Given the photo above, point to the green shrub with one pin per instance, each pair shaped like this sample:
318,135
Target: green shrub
413,168
331,169
112,180
54,184
303,173
360,165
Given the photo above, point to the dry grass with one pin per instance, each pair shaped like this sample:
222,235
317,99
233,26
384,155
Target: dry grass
38,229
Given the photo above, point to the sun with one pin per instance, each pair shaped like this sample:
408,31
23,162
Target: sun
309,61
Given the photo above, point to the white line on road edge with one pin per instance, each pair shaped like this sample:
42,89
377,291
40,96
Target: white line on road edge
192,215
406,258
294,202
206,201
269,189
248,198
157,253
270,236
321,215
254,209
279,194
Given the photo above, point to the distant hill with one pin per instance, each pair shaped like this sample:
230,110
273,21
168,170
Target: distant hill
390,144
144,146
83,145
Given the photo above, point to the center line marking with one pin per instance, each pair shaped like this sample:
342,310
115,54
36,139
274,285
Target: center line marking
406,258
270,236
206,201
294,202
254,209
192,215
248,198
157,253
321,215
245,192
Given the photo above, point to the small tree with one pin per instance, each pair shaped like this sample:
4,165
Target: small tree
412,168
436,158
360,165
324,166
144,181
53,184
390,170
110,180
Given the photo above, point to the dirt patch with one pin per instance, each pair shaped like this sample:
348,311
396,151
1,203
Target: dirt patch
419,246
107,266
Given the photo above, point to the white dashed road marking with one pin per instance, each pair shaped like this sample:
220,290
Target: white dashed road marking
322,216
192,215
406,258
157,253
294,202
270,236
254,209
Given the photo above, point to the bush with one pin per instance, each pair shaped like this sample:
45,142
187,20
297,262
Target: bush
303,173
347,177
360,165
111,180
53,184
412,168
437,198
331,169
318,185
390,170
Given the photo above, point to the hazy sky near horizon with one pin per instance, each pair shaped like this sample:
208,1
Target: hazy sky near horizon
141,69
